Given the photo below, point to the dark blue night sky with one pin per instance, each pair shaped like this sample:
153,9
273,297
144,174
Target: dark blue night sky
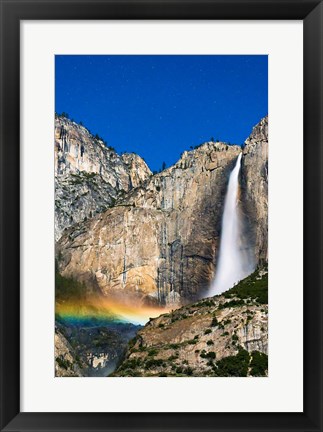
159,106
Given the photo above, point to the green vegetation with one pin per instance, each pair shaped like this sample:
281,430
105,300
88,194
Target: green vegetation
82,178
163,167
198,146
258,364
132,342
68,288
131,363
240,365
203,354
211,355
99,138
207,303
78,361
89,175
172,357
154,363
232,303
63,114
174,346
234,365
207,331
254,287
64,363
214,322
208,355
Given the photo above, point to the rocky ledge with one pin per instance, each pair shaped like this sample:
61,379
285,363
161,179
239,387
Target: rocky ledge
225,335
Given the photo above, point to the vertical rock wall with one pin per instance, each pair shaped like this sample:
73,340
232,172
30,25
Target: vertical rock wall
157,243
89,176
254,181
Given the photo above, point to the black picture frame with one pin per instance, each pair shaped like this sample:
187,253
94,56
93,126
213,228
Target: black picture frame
12,12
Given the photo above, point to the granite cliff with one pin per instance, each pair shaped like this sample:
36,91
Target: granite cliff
67,363
254,182
157,241
89,175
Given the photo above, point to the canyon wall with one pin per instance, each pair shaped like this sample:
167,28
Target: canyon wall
89,176
254,181
157,241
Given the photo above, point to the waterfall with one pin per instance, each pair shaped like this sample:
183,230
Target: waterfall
234,262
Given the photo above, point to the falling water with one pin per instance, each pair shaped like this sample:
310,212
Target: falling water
234,262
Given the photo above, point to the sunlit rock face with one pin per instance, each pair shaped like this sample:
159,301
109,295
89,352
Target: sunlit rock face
180,341
254,197
159,241
89,176
194,340
65,358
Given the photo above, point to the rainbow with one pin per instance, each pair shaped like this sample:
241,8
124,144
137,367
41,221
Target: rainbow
101,310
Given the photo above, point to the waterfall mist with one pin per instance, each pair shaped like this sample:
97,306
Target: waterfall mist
234,260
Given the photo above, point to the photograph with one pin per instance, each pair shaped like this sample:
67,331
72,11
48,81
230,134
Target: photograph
161,216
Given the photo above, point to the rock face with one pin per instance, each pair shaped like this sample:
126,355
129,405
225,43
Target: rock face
89,176
226,335
255,188
90,350
66,364
159,241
